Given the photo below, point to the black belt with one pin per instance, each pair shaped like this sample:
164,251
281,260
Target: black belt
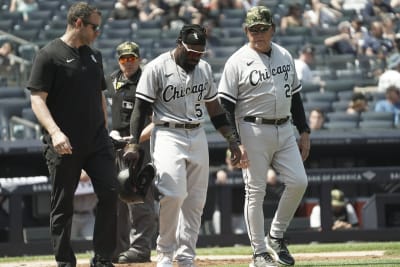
180,125
266,121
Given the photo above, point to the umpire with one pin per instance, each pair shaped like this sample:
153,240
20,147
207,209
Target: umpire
137,223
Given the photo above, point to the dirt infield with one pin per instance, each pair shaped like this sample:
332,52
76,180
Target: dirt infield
221,260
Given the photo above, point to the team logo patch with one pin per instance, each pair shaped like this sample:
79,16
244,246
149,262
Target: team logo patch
93,58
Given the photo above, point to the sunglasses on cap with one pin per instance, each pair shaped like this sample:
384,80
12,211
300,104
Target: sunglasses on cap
192,52
95,27
124,60
259,29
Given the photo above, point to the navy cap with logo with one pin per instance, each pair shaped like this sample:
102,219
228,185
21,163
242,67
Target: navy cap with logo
193,34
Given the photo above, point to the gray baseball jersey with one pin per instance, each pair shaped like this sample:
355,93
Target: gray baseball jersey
177,95
259,85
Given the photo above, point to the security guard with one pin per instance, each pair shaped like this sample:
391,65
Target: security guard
137,223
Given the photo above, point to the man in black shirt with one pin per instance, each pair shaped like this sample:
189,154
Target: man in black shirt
136,222
66,86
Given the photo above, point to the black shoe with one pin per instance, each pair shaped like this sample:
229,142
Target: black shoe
277,247
132,256
99,262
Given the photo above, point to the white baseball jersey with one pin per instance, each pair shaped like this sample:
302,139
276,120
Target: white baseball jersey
161,84
260,85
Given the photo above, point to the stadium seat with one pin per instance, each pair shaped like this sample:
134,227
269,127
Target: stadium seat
231,23
324,106
376,124
6,24
124,33
12,92
233,13
340,105
118,24
341,125
339,85
44,15
31,24
28,35
341,116
10,107
53,5
345,95
321,96
374,115
310,87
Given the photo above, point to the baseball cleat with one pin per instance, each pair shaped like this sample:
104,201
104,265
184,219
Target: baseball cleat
132,256
277,247
98,262
263,260
164,260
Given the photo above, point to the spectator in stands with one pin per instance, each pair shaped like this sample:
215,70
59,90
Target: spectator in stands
389,27
376,47
391,103
391,77
24,7
150,10
375,9
294,17
358,31
321,14
6,61
375,44
126,9
343,213
176,15
358,104
343,43
316,119
303,65
85,201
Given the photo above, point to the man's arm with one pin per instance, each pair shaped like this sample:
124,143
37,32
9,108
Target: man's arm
138,119
60,141
220,122
299,120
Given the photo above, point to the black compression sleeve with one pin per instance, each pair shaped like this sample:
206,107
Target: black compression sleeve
298,114
229,108
138,119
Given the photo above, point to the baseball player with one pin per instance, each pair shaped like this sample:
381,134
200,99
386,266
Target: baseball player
178,85
137,223
261,92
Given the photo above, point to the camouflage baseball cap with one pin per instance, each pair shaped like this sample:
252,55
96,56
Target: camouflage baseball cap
128,48
258,15
337,198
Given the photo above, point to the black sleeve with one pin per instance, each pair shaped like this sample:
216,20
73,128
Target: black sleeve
229,108
138,118
298,114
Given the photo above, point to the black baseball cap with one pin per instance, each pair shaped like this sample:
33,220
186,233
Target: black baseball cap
193,34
